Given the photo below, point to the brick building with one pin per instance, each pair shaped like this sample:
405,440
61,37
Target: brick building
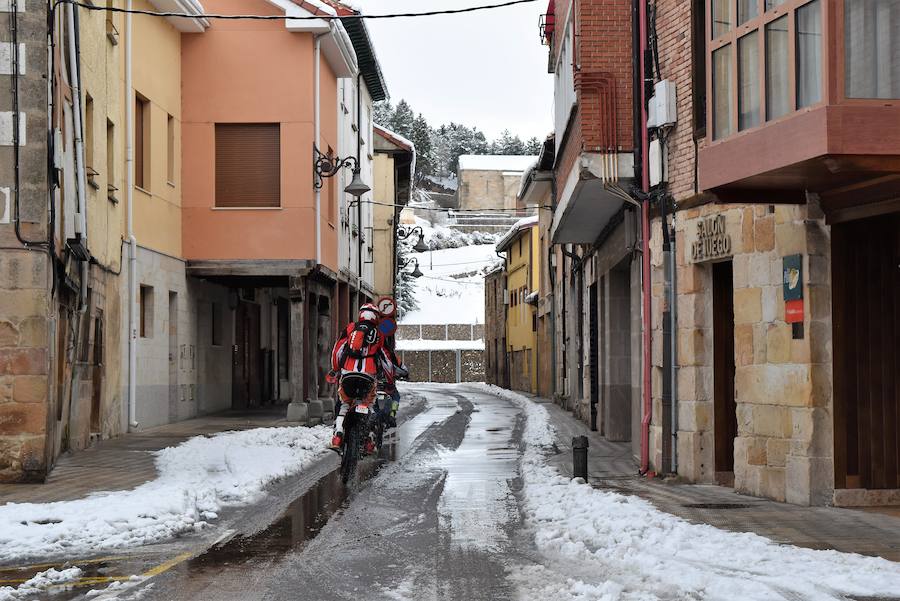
786,248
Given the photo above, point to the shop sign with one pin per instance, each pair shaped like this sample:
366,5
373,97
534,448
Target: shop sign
713,241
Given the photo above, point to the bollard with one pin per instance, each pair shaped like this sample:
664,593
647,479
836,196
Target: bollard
579,457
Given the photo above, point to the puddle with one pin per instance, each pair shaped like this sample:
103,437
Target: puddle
300,523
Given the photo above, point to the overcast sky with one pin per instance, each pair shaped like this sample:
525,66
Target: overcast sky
485,69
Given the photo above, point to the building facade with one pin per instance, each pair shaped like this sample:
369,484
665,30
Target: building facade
394,163
490,182
786,365
174,260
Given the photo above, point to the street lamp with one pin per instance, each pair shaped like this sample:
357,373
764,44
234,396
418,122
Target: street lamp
325,165
416,272
404,233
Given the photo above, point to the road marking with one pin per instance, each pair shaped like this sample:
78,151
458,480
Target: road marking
87,580
166,565
59,564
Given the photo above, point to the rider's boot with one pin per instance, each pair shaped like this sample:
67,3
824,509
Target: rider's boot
338,436
391,419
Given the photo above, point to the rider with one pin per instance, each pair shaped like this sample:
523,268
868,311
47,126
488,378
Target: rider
357,361
399,371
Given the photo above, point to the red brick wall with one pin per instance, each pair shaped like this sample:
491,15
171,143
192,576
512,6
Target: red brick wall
604,44
673,26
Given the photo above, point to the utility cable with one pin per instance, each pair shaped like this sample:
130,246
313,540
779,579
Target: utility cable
152,13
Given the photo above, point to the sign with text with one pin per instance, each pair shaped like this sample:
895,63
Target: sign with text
793,311
712,241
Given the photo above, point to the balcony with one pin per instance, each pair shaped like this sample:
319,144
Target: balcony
804,96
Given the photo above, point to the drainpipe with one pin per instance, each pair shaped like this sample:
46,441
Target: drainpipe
645,247
78,125
673,348
317,57
668,459
359,254
132,241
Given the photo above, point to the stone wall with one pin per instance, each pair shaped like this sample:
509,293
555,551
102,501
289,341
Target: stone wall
449,366
784,447
482,189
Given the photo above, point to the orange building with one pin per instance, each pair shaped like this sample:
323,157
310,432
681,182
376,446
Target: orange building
258,97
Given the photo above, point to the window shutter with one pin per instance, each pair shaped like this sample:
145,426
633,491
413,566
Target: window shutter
248,165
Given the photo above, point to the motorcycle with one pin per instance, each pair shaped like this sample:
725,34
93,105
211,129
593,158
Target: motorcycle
357,426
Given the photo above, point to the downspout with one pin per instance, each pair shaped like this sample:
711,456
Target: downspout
647,321
78,125
668,408
132,241
673,352
359,223
317,57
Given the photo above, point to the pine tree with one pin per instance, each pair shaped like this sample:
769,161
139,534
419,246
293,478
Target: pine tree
383,113
406,284
421,137
533,146
403,119
507,144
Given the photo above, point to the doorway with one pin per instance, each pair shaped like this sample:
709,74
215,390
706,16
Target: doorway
246,387
173,356
866,327
724,406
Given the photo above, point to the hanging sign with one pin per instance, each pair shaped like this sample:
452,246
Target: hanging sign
387,306
713,240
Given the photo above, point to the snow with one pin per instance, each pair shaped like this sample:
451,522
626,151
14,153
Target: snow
521,224
396,136
605,545
195,480
451,289
495,162
38,583
440,345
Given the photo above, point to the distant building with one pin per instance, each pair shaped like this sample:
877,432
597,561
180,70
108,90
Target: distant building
496,366
522,277
491,181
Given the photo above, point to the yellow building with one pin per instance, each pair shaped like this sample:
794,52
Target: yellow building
522,247
394,162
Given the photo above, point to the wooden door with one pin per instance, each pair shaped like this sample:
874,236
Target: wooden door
725,408
866,325
246,357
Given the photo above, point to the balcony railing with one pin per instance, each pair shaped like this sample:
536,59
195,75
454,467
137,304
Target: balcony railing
546,24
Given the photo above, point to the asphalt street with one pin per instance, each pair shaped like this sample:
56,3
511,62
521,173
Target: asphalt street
434,517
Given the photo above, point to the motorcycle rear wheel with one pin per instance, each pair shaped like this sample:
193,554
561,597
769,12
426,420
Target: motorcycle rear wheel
350,457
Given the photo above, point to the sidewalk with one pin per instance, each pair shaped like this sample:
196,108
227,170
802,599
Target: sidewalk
126,462
871,531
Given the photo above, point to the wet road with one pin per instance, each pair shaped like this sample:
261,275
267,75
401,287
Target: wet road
436,517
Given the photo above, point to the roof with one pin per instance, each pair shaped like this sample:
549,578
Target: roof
394,138
513,233
495,162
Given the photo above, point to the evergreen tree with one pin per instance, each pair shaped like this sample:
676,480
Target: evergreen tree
508,144
383,113
421,137
533,146
406,284
403,119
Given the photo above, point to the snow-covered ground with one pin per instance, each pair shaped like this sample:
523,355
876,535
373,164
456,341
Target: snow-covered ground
602,545
195,480
39,583
451,289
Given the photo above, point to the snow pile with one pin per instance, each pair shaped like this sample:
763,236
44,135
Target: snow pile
440,238
621,547
39,582
195,480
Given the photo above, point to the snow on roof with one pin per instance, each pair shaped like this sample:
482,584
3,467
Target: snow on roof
526,175
319,4
521,224
397,138
495,162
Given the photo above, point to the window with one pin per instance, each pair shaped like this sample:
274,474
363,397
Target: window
722,102
872,48
111,188
698,66
215,324
146,311
721,17
142,143
248,165
752,45
89,140
809,54
748,81
170,150
778,91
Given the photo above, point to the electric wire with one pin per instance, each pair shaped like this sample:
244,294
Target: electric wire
152,13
